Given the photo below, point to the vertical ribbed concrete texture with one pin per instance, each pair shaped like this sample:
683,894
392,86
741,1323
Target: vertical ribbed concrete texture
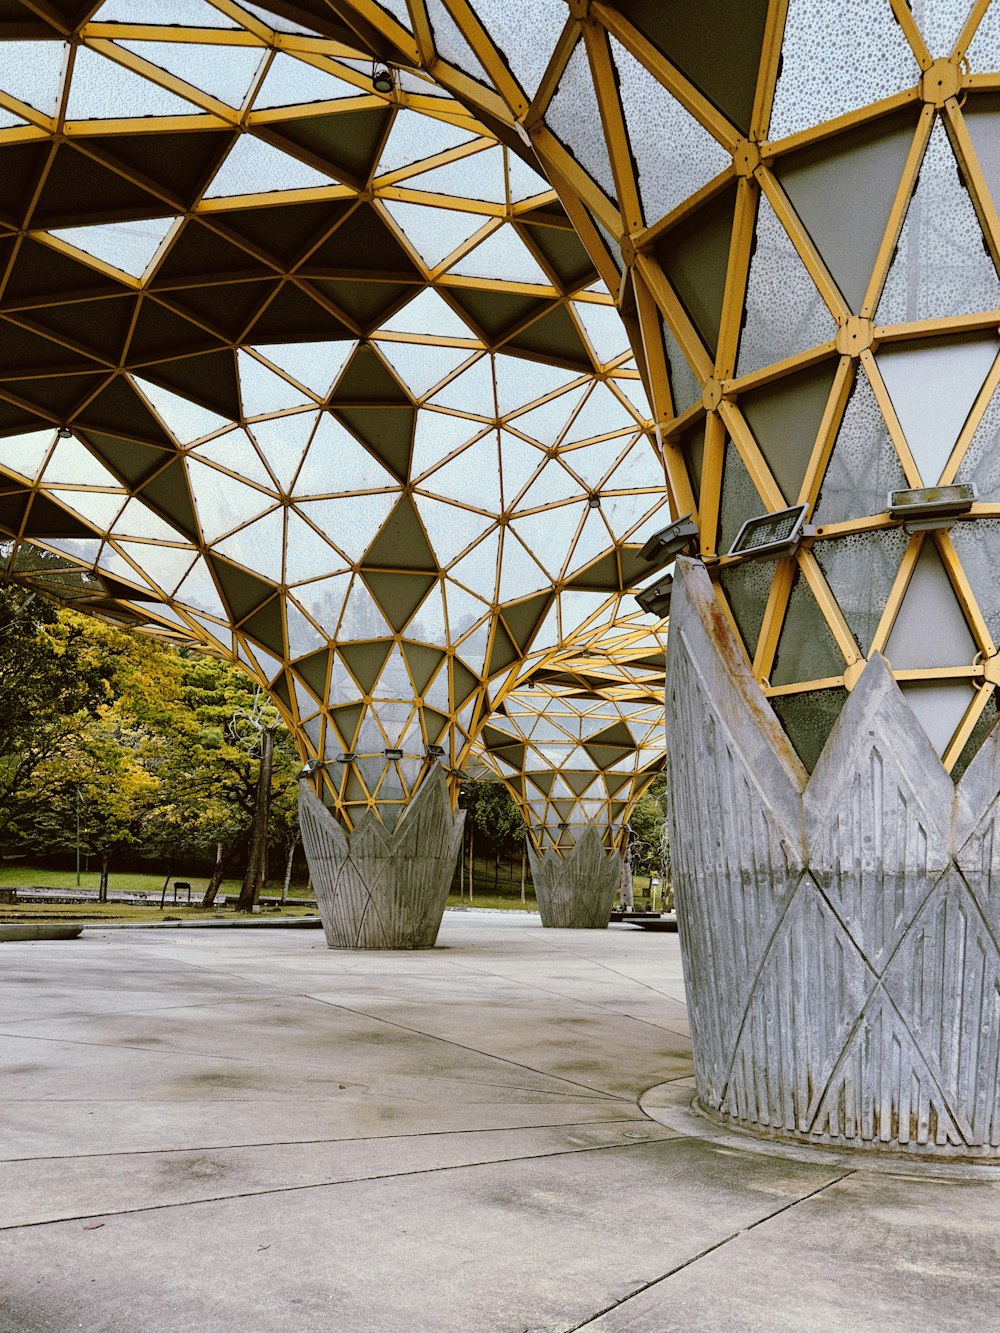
839,931
577,890
381,888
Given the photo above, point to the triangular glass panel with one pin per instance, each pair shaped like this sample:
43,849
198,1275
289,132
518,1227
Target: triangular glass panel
235,452
33,73
434,232
8,120
164,566
694,255
939,271
223,72
477,571
100,88
436,435
864,467
450,529
739,500
222,502
520,382
806,649
472,477
860,570
978,545
785,313
414,137
939,707
593,462
199,590
981,464
128,246
259,546
845,225
747,587
519,461
940,23
837,57
653,119
256,167
605,331
262,391
350,521
98,507
933,385
553,484
451,43
547,422
471,391
303,636
137,520
71,464
307,555
519,573
427,313
602,413
313,364
594,539
337,462
983,54
324,599
685,387
186,421
291,82
523,182
476,176
549,535
422,365
282,442
930,600
25,454
785,417
362,618
574,117
183,14
503,257
635,394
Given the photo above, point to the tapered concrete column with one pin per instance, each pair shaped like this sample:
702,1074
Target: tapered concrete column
381,888
577,890
838,931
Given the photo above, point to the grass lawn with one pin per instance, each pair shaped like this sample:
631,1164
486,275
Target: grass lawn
94,912
491,900
18,875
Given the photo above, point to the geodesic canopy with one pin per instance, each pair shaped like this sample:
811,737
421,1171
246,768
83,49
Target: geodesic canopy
572,758
313,376
798,204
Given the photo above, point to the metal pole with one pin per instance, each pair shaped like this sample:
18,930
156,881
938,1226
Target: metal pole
78,837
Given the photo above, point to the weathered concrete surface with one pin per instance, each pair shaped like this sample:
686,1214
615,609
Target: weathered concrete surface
31,930
484,1168
577,890
839,932
381,888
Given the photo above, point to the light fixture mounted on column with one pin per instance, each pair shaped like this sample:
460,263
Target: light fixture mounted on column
655,600
670,541
770,536
393,754
382,78
931,506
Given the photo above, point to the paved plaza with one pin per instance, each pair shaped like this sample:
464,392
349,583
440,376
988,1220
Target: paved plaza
243,1130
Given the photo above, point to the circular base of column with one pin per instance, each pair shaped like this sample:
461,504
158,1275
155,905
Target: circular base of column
676,1106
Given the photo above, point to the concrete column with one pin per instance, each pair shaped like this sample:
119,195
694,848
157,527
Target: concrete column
577,890
381,888
838,931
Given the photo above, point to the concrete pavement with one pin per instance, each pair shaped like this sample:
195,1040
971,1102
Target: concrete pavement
245,1130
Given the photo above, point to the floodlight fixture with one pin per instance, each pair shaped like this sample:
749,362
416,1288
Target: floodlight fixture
64,433
928,507
655,600
346,758
393,754
594,502
670,541
769,536
308,769
382,78
435,751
